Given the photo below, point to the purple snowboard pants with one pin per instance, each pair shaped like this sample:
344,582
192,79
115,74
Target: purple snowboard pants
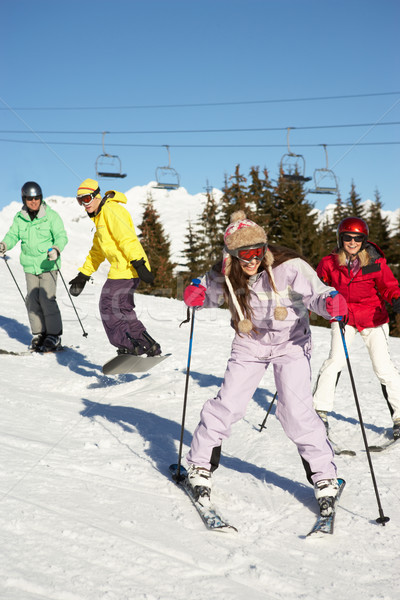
116,310
295,410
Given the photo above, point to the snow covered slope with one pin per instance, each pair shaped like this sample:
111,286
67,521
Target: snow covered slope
88,511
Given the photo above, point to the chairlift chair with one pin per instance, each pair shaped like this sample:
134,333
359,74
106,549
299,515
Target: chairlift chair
166,177
325,180
293,166
108,165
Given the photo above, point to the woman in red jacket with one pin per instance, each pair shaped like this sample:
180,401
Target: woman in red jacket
358,270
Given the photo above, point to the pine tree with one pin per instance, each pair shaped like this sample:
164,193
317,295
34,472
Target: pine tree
394,249
327,236
353,204
193,257
210,233
296,226
158,249
261,197
378,225
234,197
340,212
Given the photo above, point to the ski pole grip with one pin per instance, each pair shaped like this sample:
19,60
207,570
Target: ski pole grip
196,282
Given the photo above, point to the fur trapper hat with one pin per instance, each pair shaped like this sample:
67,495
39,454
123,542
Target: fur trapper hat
241,232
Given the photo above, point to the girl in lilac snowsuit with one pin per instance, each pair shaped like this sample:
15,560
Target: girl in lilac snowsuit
269,293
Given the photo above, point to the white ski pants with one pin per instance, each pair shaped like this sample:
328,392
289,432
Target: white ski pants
376,341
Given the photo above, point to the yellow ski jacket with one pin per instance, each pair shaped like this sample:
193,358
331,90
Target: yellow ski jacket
115,239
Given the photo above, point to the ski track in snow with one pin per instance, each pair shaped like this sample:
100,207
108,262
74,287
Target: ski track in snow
88,511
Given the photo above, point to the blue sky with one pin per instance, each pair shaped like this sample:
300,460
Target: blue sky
155,68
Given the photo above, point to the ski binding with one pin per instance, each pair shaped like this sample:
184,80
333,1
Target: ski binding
325,525
210,515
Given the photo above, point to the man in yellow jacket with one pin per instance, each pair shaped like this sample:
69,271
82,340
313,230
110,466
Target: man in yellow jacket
115,239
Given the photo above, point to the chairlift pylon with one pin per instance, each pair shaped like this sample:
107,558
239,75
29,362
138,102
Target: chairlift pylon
325,180
108,165
167,178
293,166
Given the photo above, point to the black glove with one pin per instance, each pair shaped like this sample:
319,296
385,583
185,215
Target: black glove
396,305
78,283
143,272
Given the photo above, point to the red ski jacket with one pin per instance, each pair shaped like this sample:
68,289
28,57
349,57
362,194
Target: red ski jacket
366,291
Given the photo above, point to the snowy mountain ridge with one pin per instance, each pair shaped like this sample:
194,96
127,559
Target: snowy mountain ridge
176,208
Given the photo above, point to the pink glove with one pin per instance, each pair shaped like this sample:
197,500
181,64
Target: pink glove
194,295
336,306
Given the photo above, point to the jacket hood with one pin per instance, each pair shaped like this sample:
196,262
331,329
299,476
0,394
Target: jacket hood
116,196
40,213
374,251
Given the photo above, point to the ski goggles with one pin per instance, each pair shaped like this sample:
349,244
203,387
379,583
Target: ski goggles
346,237
87,198
248,254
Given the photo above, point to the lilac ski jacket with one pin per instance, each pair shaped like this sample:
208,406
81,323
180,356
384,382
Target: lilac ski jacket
299,290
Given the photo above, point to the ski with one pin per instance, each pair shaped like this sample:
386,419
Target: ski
338,450
32,352
384,446
325,525
12,353
210,515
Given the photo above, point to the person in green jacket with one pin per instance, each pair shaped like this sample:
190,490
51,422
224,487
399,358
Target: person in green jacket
41,232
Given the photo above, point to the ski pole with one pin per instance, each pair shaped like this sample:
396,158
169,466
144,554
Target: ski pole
6,258
381,519
69,295
262,425
178,475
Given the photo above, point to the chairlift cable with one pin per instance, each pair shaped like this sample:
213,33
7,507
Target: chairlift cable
227,130
205,104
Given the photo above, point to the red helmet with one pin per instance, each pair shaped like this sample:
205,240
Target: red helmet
352,225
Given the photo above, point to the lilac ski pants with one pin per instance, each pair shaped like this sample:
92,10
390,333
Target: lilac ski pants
295,411
117,314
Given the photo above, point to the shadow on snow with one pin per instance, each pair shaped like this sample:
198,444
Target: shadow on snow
163,437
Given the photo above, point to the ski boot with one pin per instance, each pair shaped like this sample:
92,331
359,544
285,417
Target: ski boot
51,343
37,342
152,347
396,430
199,480
325,493
138,347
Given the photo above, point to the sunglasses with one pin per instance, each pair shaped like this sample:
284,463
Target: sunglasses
29,198
357,238
246,255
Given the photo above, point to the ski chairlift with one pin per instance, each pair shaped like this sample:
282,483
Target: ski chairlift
108,165
325,180
167,178
293,166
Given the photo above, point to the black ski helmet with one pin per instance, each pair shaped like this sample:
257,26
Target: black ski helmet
31,189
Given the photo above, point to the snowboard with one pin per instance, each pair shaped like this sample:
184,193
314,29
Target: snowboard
129,363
